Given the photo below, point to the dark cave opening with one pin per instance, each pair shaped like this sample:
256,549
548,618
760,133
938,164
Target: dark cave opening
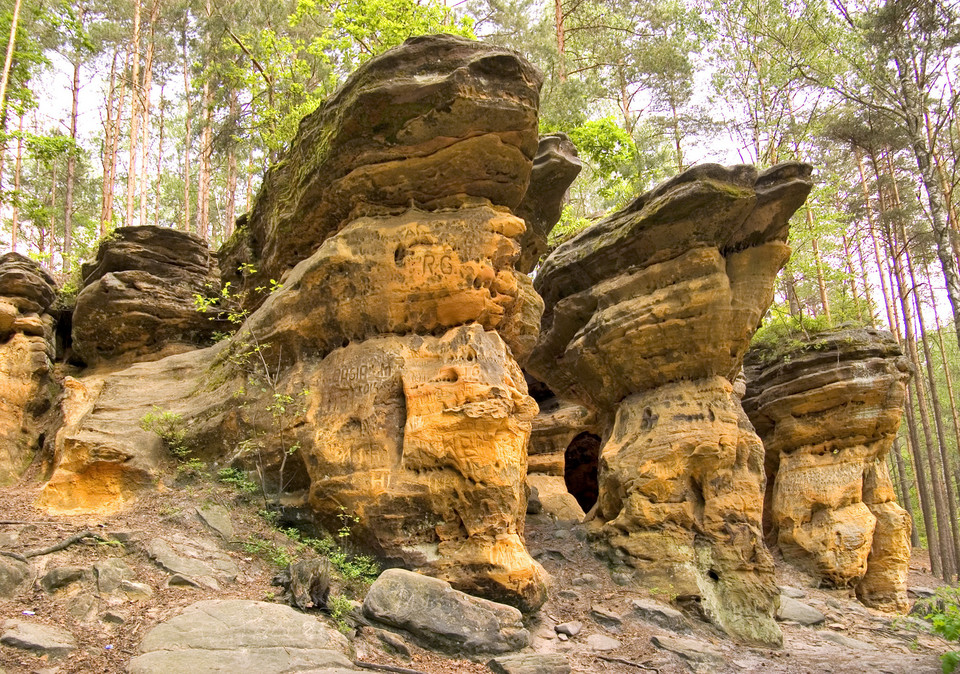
580,469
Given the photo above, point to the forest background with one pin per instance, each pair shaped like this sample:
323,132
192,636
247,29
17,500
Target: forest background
168,112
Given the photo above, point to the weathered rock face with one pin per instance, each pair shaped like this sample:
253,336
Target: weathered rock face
376,145
137,297
555,168
648,315
828,408
393,343
27,349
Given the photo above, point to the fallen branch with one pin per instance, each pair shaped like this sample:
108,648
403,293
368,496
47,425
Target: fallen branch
386,668
629,662
62,545
18,557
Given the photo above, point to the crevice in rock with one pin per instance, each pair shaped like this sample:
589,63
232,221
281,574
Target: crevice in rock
580,469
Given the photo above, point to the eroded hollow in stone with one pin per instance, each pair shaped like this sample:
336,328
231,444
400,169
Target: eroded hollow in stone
580,469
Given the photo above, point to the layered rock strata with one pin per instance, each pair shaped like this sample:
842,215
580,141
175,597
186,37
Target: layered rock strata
555,168
27,351
137,298
375,145
648,315
385,369
828,408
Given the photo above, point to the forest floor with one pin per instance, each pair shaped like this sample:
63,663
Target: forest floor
108,628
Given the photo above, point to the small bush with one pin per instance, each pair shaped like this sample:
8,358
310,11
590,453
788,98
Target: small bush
171,429
238,479
944,617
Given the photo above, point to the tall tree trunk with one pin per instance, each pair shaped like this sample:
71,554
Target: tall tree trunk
158,188
203,195
15,211
561,39
851,278
71,168
8,63
147,95
187,139
871,319
951,496
135,97
231,170
931,497
912,106
887,301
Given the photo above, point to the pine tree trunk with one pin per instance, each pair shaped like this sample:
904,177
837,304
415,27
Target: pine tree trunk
231,171
71,169
851,278
188,137
134,116
147,95
951,496
8,63
15,211
158,188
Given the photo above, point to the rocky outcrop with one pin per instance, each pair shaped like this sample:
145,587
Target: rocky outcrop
27,350
555,168
137,298
648,315
828,407
383,376
375,147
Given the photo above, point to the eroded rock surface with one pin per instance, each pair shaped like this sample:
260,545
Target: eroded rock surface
555,168
376,145
137,299
394,342
648,315
828,408
27,350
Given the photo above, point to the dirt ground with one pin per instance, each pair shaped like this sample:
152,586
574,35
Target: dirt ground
579,584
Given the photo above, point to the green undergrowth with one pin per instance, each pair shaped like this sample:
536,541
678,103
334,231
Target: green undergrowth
782,335
942,611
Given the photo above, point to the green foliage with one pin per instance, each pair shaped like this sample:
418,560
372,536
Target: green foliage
237,479
944,617
276,554
339,607
171,429
355,569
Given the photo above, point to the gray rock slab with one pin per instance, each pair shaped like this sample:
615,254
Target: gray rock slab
659,614
530,663
846,642
217,519
798,612
792,592
571,629
15,576
52,642
110,573
692,650
61,577
241,636
609,619
448,619
196,558
601,642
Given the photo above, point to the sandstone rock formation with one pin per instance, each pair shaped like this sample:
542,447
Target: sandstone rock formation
136,302
27,349
828,408
375,146
555,167
648,315
385,370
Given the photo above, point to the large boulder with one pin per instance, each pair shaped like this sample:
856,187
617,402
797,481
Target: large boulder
647,316
442,617
383,375
828,408
432,123
27,350
137,298
241,636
